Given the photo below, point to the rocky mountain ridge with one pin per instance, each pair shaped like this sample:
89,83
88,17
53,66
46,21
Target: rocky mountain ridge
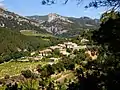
16,22
57,24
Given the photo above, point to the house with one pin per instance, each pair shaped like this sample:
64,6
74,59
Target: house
54,59
33,53
92,54
51,63
63,46
55,47
84,40
45,52
63,52
70,45
80,47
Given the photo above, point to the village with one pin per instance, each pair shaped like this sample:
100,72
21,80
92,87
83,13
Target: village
63,50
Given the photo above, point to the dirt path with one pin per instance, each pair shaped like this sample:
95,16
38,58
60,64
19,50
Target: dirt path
62,78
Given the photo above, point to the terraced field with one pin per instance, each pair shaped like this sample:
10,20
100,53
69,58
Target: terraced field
14,68
34,33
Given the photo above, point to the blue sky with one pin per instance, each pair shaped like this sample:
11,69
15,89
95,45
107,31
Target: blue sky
34,7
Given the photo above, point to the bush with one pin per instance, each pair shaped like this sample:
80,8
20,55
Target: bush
17,55
1,60
26,73
75,51
39,68
6,58
6,77
57,52
69,50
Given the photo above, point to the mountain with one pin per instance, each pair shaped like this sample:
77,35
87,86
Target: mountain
61,25
52,23
16,22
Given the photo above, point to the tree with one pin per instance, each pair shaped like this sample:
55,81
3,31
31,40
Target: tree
114,4
13,87
109,14
1,60
29,84
75,51
39,68
26,73
69,50
57,52
6,77
17,55
109,35
7,58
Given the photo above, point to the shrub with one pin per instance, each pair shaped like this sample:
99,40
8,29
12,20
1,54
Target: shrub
26,73
6,77
69,50
1,60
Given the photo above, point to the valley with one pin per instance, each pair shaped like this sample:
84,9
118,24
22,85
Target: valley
57,52
47,49
48,58
59,45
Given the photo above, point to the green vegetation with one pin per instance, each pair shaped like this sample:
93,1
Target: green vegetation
11,40
102,73
14,45
15,68
35,33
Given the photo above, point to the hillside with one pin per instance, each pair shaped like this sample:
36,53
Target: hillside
12,41
16,22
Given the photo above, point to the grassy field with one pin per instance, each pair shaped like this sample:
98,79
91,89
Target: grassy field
14,68
33,33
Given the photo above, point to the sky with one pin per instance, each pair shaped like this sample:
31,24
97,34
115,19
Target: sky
34,7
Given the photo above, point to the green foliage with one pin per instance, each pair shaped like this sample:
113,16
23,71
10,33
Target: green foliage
13,87
109,14
108,35
14,68
6,77
1,60
69,50
56,52
75,51
29,84
7,58
13,44
27,73
39,68
114,4
47,71
103,73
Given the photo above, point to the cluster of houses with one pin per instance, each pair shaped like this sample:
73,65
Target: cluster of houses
68,45
62,48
